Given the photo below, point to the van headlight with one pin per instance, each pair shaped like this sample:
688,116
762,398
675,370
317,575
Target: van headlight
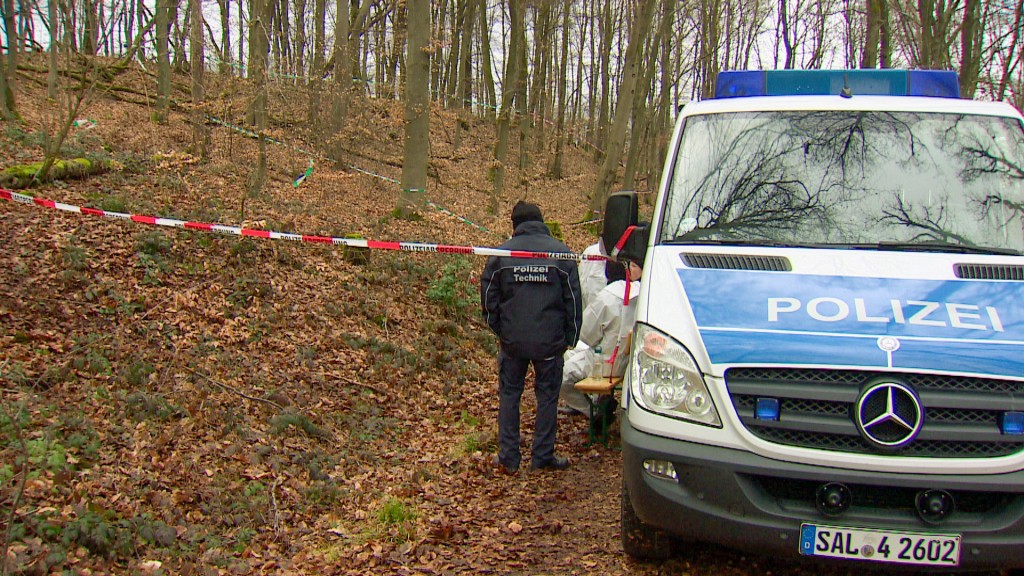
666,380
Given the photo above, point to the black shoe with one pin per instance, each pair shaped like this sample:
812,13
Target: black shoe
506,470
556,463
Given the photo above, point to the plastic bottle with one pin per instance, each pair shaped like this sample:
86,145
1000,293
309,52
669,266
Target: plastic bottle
598,370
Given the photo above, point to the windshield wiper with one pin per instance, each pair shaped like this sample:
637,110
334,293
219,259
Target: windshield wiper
931,247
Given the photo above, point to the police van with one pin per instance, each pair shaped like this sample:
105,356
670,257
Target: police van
828,360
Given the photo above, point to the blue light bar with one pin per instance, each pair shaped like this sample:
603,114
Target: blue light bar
1012,423
934,83
767,409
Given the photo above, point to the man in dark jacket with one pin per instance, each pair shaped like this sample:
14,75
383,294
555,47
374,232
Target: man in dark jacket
534,306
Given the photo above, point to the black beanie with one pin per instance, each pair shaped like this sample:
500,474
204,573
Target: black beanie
525,212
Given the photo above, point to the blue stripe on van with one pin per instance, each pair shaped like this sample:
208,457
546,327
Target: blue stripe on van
750,317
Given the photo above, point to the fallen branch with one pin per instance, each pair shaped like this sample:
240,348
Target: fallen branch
227,388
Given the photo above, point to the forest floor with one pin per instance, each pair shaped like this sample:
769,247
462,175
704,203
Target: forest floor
185,402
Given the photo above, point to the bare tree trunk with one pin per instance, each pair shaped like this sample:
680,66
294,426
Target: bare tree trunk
417,110
640,113
224,65
51,73
485,57
200,131
313,115
241,39
178,59
259,48
437,79
707,59
663,125
872,30
394,62
7,110
163,74
563,70
935,33
885,38
299,47
625,101
576,105
342,71
601,130
11,72
464,92
512,72
970,48
26,24
542,50
90,30
1011,51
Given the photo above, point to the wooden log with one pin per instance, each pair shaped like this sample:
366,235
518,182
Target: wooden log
24,175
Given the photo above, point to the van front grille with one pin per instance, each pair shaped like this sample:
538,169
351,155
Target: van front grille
961,415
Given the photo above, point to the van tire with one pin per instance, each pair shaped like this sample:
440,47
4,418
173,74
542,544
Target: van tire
639,540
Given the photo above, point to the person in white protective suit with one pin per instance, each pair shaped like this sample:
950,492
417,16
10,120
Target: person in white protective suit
607,322
592,278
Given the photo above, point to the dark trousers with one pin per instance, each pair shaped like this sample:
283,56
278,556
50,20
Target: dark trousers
512,381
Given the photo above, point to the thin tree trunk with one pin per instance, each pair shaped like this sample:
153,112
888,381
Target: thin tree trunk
663,125
437,78
625,101
485,61
970,48
241,40
7,104
12,57
299,48
1011,50
417,110
180,33
542,91
51,73
259,44
90,31
640,116
872,31
313,116
200,131
508,95
563,67
163,74
464,92
224,65
342,71
885,38
607,30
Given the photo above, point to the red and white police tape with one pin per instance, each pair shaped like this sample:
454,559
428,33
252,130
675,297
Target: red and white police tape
252,232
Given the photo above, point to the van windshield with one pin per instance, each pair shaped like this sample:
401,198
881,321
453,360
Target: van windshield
849,178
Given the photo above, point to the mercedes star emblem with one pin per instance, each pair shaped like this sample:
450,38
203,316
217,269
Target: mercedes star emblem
889,415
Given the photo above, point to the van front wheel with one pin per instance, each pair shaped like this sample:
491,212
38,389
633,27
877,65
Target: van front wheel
640,540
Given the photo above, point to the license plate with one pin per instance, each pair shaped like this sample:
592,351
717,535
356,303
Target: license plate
880,545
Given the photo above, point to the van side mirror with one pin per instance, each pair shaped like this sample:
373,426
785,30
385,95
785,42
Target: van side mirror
620,212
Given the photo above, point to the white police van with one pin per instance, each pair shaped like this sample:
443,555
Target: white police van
829,352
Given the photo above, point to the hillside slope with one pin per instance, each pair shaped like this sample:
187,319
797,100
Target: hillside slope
185,402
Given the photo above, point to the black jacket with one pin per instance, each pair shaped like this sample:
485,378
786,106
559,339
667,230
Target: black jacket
532,304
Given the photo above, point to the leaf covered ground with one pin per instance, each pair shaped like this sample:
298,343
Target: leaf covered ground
186,402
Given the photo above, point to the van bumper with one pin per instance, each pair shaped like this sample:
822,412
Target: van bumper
756,504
